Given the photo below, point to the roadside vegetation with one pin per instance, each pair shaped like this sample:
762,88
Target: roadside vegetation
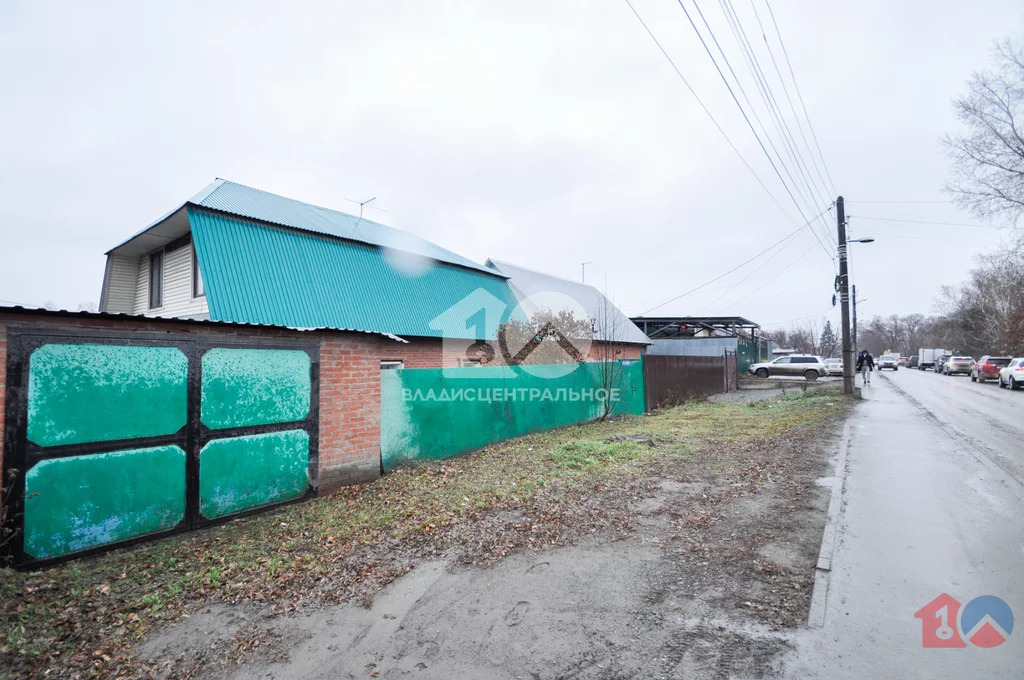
82,619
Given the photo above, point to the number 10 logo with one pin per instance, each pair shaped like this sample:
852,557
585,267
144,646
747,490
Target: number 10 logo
986,621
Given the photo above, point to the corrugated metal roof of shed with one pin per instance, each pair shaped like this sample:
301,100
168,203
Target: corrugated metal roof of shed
260,205
526,282
259,273
38,311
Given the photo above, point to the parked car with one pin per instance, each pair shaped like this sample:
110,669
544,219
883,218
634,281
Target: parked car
912,361
958,364
988,367
1012,374
807,365
834,366
940,361
888,361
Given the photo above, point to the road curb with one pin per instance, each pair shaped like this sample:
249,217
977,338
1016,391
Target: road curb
823,569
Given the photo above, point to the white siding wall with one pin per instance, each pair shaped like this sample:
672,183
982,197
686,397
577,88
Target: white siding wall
122,278
178,300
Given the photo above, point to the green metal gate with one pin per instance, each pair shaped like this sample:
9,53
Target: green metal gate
114,438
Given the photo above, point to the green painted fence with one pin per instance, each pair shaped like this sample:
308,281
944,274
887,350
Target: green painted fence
107,448
429,414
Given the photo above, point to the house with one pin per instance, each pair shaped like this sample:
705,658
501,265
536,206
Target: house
237,254
706,336
614,335
241,359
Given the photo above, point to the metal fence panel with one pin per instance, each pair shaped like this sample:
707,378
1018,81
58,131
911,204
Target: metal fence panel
671,380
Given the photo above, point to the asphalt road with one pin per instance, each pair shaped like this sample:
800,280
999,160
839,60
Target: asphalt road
988,418
932,502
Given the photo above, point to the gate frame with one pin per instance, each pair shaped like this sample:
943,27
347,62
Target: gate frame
21,455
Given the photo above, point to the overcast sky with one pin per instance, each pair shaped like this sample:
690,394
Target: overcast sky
544,134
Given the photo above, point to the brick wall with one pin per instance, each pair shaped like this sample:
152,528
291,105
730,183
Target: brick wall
602,351
350,409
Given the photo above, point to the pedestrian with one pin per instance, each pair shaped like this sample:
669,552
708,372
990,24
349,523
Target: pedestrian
865,364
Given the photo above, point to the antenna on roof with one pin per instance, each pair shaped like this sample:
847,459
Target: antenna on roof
363,204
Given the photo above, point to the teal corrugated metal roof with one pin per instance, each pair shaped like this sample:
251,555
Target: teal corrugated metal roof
267,207
260,273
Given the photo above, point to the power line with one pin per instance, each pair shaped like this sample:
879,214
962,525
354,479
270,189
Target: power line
942,224
789,100
706,110
781,323
746,118
722,276
796,87
774,276
771,105
753,111
856,201
744,279
739,85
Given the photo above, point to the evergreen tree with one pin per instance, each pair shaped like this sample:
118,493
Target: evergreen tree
829,344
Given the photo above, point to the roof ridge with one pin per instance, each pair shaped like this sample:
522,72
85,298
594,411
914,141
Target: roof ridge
292,213
550,276
305,203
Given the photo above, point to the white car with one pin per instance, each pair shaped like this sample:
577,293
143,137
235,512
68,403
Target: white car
834,366
1012,374
888,361
807,365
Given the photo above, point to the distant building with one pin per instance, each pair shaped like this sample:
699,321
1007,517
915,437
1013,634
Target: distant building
706,336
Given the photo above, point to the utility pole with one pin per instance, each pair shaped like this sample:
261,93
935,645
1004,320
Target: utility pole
583,271
844,298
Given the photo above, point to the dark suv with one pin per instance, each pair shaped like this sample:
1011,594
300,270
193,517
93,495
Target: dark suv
941,361
912,362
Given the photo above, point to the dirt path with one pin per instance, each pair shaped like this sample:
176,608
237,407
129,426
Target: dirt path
706,562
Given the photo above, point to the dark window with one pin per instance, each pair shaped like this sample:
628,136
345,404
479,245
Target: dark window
156,279
198,290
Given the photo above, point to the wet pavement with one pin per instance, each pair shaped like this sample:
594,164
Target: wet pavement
932,503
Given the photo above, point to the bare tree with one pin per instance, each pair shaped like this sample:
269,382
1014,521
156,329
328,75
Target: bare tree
609,331
805,338
988,158
986,312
